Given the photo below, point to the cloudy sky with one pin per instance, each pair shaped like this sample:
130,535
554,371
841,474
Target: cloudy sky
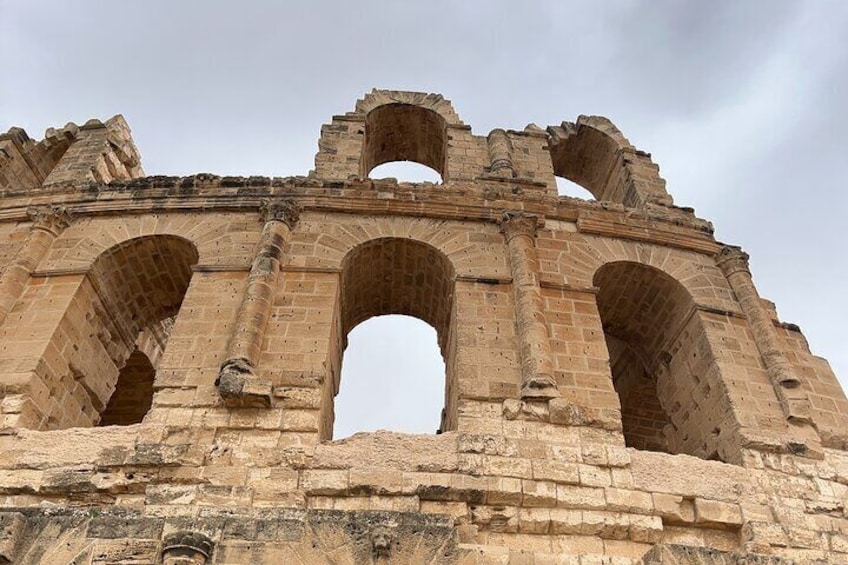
742,104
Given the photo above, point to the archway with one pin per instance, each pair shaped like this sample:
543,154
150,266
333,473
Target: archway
661,361
399,276
404,132
109,342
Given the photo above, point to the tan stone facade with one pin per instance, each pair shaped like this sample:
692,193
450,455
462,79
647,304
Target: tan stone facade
616,391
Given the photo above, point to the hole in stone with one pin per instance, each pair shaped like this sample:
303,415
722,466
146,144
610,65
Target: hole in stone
392,378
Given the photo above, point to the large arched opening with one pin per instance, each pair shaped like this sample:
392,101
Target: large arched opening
107,347
398,276
661,362
404,132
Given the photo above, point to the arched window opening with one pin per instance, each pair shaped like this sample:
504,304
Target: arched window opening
406,171
590,159
566,187
404,132
112,337
656,345
403,277
392,378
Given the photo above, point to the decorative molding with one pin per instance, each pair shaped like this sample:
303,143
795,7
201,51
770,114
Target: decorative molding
182,545
285,210
51,218
731,259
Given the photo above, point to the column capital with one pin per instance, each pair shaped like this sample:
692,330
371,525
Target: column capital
51,218
185,546
520,223
285,210
731,259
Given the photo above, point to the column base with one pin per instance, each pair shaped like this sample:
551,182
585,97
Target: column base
240,388
540,386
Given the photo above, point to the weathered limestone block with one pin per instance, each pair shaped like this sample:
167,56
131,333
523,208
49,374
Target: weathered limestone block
12,526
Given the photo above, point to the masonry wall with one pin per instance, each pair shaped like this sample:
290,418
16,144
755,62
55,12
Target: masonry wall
663,437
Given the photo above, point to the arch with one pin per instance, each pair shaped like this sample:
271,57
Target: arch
433,102
125,303
594,154
398,276
388,126
474,251
661,361
578,262
404,132
225,238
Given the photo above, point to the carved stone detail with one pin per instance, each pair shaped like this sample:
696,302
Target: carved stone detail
520,223
185,547
286,211
51,218
382,538
240,388
732,260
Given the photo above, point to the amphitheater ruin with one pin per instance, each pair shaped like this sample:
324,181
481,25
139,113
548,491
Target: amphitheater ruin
616,392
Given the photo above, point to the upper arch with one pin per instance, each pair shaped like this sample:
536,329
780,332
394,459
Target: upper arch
435,103
595,154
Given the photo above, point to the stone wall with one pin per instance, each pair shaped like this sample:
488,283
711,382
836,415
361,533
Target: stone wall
616,392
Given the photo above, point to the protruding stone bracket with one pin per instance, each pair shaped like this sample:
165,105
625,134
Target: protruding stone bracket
240,388
237,382
186,548
787,387
537,381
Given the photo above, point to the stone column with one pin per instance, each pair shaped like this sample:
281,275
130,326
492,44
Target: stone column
47,223
537,379
500,154
237,383
186,548
796,406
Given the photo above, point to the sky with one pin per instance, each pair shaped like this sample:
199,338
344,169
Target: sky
742,103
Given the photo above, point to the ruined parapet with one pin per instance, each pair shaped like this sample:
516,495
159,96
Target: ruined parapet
616,390
95,152
594,154
103,152
25,163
